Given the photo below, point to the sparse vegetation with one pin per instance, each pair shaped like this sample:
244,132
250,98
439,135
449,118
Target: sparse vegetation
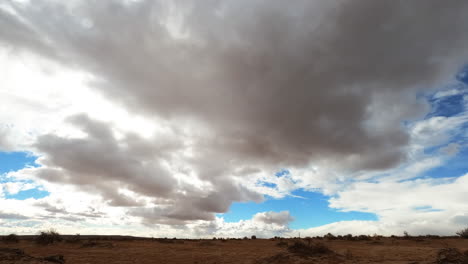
14,255
11,238
48,237
164,241
463,233
329,236
74,239
324,249
406,235
282,244
363,237
451,255
92,244
301,249
253,237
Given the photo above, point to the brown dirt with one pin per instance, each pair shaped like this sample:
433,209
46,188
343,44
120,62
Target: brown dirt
258,251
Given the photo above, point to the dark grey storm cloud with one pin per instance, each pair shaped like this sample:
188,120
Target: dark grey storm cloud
273,84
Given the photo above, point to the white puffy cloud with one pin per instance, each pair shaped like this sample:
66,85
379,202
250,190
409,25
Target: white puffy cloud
280,218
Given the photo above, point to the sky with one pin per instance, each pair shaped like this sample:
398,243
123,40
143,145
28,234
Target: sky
225,118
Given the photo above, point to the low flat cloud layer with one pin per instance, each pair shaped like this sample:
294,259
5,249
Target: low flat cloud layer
237,91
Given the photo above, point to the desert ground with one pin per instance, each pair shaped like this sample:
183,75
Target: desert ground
255,251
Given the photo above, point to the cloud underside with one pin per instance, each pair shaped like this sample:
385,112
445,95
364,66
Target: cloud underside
240,90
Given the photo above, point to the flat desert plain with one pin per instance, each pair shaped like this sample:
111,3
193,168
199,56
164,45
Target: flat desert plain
254,251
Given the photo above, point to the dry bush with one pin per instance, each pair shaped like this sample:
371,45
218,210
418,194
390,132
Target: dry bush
463,233
282,244
406,235
74,239
11,238
363,237
48,237
329,236
303,250
451,255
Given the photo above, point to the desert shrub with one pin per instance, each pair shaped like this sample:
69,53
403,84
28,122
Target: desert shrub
463,233
253,237
301,249
11,238
406,235
74,239
282,244
363,237
329,236
451,255
245,238
48,237
349,237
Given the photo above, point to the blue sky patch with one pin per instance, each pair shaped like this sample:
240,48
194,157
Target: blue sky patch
454,167
35,193
13,161
309,211
427,209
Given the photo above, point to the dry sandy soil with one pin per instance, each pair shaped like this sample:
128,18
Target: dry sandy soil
259,251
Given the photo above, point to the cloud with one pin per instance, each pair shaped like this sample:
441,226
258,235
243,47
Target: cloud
447,93
451,149
263,225
12,216
237,90
285,84
132,171
5,144
420,206
280,218
13,188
